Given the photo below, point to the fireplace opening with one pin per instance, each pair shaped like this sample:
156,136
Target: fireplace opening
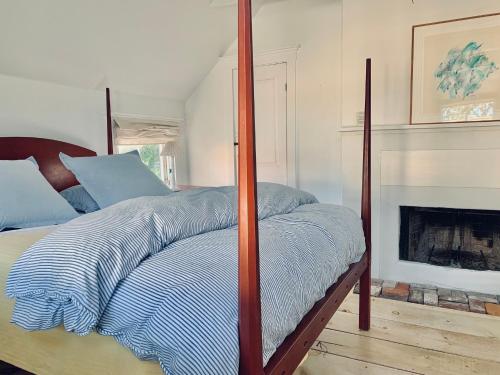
459,238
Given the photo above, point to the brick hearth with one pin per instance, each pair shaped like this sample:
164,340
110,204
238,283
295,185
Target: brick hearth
424,294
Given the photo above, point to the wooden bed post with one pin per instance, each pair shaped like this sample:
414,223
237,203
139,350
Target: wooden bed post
250,328
109,122
365,280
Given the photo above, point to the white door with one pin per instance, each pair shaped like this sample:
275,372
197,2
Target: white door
270,121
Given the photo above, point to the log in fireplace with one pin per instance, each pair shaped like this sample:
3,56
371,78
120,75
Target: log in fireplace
459,238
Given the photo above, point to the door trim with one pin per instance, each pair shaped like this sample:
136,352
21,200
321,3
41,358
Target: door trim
287,56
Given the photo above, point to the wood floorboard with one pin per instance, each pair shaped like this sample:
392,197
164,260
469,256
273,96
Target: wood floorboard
406,339
403,357
320,363
486,348
429,316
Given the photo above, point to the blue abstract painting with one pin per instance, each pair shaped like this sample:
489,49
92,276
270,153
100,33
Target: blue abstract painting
464,70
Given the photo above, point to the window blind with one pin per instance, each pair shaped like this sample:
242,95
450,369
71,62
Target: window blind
129,132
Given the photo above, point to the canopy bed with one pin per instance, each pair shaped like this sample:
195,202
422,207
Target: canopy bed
259,216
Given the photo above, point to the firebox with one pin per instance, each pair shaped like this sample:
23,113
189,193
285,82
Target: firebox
459,238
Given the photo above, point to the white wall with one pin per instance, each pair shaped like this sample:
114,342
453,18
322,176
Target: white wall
315,25
209,129
130,104
382,30
39,109
75,115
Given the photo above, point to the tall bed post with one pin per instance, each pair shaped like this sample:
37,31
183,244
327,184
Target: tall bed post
109,122
365,280
250,328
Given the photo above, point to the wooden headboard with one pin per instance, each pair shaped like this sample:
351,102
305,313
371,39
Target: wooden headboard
46,152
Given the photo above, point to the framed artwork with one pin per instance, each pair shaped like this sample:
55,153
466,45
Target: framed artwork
455,72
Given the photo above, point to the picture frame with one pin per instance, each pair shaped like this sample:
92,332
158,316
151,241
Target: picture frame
455,71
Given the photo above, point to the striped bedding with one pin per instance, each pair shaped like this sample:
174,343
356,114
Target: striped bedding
160,273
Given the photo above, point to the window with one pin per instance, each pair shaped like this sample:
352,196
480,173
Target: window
155,140
152,155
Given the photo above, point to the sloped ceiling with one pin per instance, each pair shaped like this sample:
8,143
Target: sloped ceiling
159,48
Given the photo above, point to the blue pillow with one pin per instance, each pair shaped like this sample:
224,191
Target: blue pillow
27,199
80,199
110,179
33,160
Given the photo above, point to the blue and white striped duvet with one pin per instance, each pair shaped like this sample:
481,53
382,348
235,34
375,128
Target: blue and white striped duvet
160,273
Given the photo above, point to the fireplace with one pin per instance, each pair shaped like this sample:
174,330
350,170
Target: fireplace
459,238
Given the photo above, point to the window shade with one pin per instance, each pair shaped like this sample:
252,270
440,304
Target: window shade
129,132
170,149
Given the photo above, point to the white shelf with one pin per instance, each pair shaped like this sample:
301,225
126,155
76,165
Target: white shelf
437,127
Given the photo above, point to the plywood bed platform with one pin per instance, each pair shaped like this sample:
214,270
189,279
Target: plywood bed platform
56,351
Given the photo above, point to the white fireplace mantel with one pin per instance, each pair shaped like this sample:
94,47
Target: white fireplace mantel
456,167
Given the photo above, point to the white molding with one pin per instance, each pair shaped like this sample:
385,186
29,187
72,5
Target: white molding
432,127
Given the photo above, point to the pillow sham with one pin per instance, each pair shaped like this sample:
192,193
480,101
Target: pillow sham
80,199
110,179
27,199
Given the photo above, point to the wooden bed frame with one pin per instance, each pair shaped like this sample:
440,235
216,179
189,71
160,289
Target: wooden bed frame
295,347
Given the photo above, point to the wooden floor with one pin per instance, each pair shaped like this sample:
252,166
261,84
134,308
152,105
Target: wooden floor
406,339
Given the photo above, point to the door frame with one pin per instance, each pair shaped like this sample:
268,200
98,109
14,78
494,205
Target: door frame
286,56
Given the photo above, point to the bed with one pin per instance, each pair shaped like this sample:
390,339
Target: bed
55,351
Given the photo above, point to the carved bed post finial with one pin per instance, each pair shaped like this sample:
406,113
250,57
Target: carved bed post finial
109,122
250,328
366,215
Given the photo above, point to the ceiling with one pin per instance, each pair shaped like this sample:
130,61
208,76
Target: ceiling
157,48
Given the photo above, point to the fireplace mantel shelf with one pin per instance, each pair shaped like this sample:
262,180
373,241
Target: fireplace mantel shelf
424,127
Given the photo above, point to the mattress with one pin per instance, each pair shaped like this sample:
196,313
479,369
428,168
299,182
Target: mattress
55,351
